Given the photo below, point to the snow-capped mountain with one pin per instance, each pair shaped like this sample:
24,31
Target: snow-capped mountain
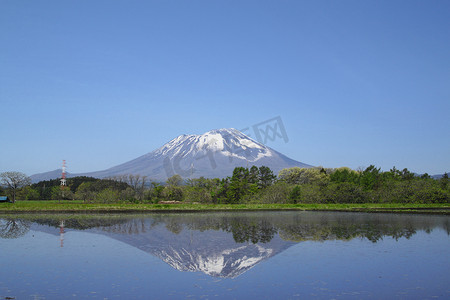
213,154
228,142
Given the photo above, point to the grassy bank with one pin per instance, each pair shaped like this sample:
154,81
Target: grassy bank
78,206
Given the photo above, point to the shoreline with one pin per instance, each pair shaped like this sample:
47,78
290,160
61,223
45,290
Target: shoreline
32,207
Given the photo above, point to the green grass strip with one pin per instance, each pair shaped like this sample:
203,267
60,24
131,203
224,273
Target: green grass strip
78,206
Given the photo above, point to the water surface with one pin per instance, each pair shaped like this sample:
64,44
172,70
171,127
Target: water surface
266,255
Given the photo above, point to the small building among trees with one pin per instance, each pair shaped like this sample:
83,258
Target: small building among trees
5,199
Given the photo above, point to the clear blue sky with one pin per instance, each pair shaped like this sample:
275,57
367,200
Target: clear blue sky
99,83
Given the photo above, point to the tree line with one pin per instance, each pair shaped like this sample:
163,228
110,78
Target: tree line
245,185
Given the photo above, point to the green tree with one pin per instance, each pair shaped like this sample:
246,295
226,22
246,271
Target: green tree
430,193
75,182
253,176
57,193
394,173
155,193
265,177
425,176
14,181
370,178
129,194
295,195
276,193
28,193
238,185
107,196
344,192
290,175
344,175
197,194
85,192
406,174
219,194
173,193
444,181
298,175
175,180
201,189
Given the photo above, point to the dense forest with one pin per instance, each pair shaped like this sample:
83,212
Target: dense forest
253,185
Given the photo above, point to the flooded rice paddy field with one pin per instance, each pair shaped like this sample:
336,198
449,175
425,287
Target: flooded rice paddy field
223,255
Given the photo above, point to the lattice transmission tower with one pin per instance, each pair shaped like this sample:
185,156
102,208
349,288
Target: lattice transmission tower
63,178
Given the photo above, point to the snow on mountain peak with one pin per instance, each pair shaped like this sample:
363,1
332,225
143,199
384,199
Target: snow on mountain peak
230,142
211,141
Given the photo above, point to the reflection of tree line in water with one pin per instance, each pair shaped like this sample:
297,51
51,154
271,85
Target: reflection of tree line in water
14,227
245,227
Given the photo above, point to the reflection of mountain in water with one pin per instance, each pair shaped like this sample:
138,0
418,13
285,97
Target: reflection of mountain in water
226,263
215,252
228,244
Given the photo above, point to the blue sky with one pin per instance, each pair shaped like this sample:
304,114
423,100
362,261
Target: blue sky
99,83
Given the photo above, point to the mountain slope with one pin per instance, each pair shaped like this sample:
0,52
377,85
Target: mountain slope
213,154
48,175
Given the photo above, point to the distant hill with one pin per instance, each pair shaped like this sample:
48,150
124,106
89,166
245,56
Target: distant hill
214,154
439,176
48,175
